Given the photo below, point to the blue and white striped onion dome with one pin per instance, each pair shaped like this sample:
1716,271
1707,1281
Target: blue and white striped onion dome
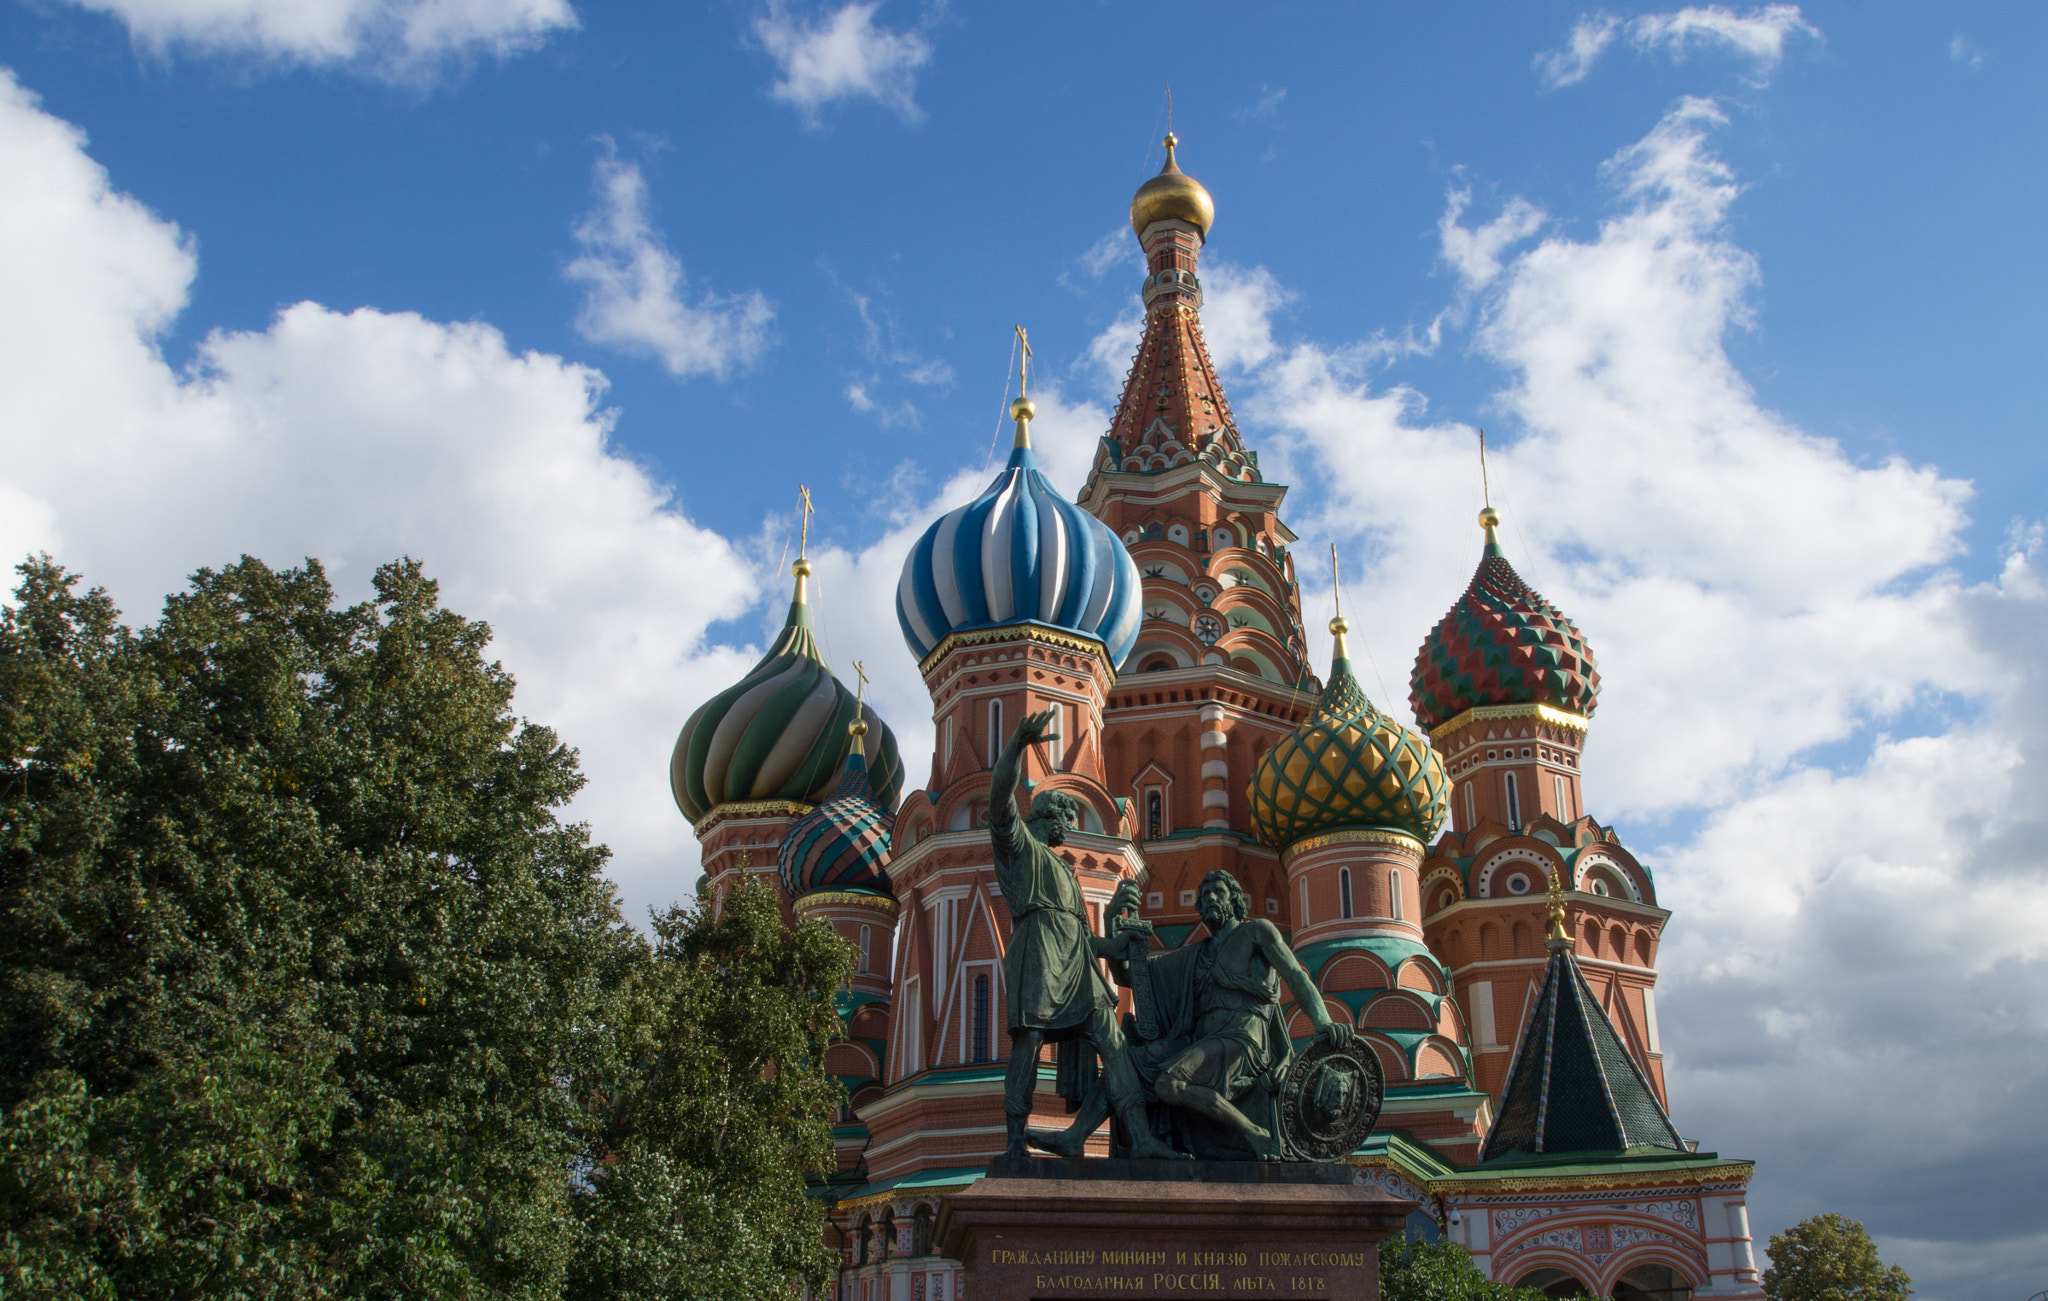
1020,553
842,844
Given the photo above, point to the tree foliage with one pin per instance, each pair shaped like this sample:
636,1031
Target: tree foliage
1414,1269
306,991
1830,1258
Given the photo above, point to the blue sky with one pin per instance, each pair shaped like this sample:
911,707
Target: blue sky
567,300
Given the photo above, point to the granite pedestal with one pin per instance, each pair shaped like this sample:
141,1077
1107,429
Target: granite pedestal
1089,1229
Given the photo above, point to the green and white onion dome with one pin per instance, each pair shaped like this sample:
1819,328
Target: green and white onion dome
780,732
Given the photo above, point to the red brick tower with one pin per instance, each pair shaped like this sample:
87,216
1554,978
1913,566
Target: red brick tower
1507,688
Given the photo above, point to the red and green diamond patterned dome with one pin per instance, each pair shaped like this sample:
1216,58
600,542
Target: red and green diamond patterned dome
1501,644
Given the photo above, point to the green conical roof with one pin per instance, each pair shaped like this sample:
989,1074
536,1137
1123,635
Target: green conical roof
1574,1087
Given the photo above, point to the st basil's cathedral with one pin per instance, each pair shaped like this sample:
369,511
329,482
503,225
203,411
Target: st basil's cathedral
1444,883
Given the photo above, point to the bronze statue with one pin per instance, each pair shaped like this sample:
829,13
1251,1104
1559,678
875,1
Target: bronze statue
1052,984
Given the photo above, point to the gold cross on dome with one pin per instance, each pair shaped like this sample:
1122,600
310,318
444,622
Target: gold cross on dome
860,671
1024,367
803,546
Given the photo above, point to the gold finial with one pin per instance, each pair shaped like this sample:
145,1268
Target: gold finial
858,728
1023,409
1559,939
1172,195
1339,625
1489,518
802,567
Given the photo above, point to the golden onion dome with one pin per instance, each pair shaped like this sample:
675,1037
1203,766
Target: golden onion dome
1172,195
1348,766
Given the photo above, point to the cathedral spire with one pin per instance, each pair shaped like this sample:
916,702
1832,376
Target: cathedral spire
1173,411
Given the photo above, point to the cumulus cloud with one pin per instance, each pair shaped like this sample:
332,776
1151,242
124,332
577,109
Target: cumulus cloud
402,38
633,287
1824,740
840,55
1757,37
354,437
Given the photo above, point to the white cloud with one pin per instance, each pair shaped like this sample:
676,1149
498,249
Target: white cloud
1961,49
633,288
1857,948
1589,40
1757,37
1265,108
842,55
355,438
400,38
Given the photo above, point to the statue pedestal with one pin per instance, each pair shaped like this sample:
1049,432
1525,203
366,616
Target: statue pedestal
1047,1229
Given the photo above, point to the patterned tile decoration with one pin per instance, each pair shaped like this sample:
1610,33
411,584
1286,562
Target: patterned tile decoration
1596,1238
842,844
1502,644
1348,765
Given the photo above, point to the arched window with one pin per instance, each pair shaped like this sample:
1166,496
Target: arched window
980,1038
1564,806
1343,892
1224,539
995,732
1056,749
949,741
921,1231
1394,892
1514,799
1303,919
1155,815
867,950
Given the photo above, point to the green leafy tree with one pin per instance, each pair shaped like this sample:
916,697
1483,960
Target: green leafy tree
1413,1269
1830,1258
726,1105
305,989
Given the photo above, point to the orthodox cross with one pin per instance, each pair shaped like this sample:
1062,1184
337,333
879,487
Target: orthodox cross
860,671
803,546
1024,371
1336,581
1485,489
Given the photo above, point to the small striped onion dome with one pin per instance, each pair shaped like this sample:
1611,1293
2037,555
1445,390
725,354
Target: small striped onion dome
1348,766
1501,644
843,844
779,733
1020,554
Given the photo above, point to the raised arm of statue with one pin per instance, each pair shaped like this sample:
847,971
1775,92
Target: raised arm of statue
1306,996
1003,816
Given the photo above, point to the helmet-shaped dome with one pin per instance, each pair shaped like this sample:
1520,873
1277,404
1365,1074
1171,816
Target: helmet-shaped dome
779,733
843,844
1020,553
1173,195
1501,644
1348,765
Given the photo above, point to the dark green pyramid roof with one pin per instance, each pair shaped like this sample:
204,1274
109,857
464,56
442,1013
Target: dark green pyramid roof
1573,1086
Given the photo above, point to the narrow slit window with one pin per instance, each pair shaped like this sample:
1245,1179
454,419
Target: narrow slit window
1394,892
1303,919
1514,799
981,1026
1155,815
1056,749
867,950
1564,807
1344,892
995,732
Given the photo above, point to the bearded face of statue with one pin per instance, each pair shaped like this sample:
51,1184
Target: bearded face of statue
1052,817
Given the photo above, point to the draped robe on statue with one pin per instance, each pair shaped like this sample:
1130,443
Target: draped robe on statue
1209,1014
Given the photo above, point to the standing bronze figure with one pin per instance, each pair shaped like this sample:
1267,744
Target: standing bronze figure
1052,983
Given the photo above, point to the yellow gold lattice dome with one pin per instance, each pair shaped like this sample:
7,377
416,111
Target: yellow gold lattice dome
1348,765
1172,195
